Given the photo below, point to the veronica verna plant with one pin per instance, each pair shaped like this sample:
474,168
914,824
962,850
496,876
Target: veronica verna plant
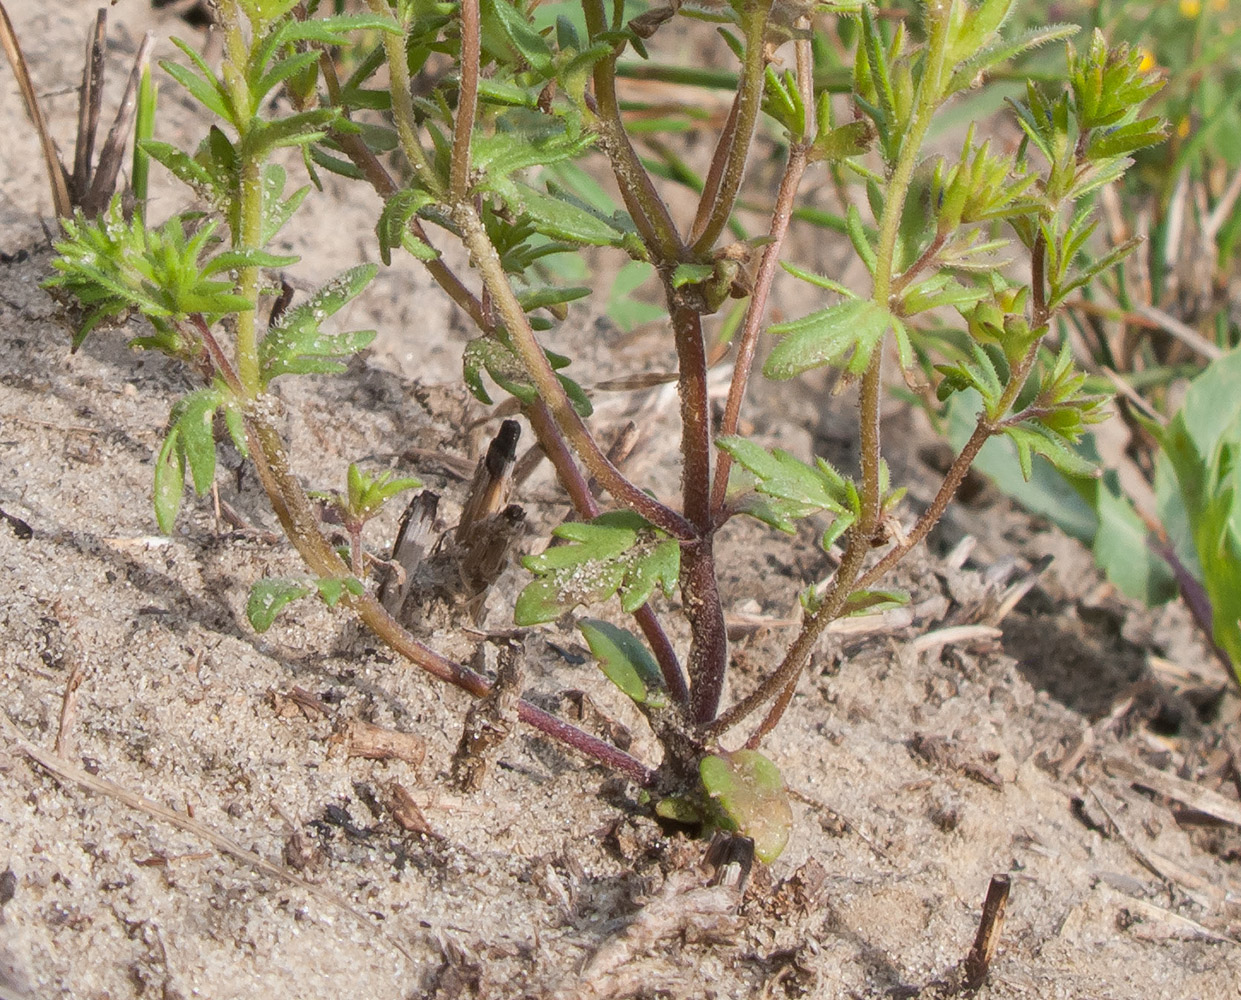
531,89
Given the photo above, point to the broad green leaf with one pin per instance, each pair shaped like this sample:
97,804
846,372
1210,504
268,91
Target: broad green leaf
844,335
625,661
1122,549
623,309
268,597
617,551
1202,444
749,796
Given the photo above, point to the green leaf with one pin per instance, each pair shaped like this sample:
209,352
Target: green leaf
1046,492
268,598
749,795
543,298
1005,50
365,494
525,41
843,141
295,345
859,238
871,601
181,165
332,589
393,226
525,139
691,274
203,85
1202,444
659,568
560,219
680,809
493,355
1032,438
781,475
1122,549
194,416
818,279
938,292
299,129
616,551
169,480
625,661
277,210
623,309
844,335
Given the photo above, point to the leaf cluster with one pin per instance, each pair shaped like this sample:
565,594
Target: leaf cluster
616,552
113,265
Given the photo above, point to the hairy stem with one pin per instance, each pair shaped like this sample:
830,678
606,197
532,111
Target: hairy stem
403,105
769,263
250,195
708,657
851,564
550,391
467,101
642,201
741,137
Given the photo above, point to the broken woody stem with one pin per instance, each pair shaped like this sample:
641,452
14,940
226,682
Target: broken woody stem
991,925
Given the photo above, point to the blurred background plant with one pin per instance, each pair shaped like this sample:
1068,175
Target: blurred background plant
1160,332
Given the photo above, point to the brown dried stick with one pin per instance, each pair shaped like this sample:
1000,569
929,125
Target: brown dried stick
990,926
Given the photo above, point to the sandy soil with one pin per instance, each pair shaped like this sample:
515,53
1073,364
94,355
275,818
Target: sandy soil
206,832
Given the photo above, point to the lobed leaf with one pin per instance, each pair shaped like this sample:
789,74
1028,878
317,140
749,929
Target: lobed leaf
268,597
844,335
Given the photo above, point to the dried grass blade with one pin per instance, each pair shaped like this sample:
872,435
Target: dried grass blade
113,153
89,104
55,171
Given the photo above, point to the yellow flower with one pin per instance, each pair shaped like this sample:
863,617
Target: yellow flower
1148,60
1182,127
1190,8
